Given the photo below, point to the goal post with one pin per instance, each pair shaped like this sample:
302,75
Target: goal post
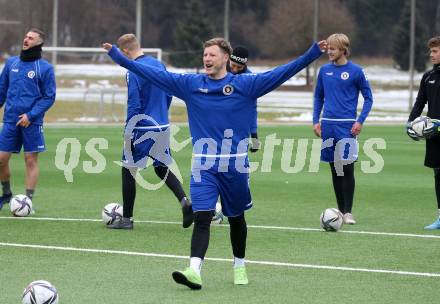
90,87
56,50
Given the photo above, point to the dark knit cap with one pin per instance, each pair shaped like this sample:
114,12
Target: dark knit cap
239,55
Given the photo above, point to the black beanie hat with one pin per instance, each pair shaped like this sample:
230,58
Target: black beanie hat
239,55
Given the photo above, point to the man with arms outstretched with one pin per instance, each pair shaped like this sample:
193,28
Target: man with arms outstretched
220,111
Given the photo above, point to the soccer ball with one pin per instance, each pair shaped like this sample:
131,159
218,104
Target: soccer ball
111,212
218,216
20,205
40,292
331,219
421,123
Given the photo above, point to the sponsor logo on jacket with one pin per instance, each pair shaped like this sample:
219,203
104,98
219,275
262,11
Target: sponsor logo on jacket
31,74
345,76
228,89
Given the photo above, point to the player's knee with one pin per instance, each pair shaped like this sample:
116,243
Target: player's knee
31,162
161,171
437,172
202,218
4,162
237,221
349,169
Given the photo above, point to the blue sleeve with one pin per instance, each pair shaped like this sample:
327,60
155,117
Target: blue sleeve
48,91
172,83
318,99
254,125
4,83
261,84
365,89
133,98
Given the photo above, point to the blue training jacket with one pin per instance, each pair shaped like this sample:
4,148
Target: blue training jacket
337,90
146,98
254,126
220,111
27,88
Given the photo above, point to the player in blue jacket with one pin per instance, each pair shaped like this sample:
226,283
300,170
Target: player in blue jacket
27,89
147,113
221,109
237,65
337,90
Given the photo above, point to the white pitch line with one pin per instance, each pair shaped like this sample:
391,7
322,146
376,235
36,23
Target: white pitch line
55,219
180,257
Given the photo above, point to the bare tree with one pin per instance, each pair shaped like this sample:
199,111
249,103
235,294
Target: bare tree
27,14
289,30
89,22
244,30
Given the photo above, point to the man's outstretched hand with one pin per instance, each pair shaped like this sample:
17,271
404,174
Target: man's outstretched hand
106,46
323,44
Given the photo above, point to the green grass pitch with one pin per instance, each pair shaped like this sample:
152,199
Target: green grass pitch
398,200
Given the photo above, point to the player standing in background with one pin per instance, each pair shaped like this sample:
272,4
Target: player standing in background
221,109
147,111
237,65
429,93
337,90
27,88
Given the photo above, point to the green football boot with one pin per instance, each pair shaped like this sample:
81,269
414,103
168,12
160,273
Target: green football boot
188,277
240,276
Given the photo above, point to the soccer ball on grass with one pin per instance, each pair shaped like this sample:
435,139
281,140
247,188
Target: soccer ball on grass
111,212
20,205
40,292
331,219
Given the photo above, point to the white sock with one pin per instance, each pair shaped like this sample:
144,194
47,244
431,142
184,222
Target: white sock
238,262
196,264
439,213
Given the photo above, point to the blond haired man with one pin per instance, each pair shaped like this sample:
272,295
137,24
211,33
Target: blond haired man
337,90
147,117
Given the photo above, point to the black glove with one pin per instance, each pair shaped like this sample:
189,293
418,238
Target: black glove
432,131
411,132
255,143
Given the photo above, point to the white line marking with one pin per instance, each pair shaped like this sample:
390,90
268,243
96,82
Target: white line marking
54,219
267,263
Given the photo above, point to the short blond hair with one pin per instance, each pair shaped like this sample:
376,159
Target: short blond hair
340,41
434,42
128,41
222,43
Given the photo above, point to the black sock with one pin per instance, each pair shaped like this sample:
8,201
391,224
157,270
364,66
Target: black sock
128,192
238,234
348,184
200,235
437,185
30,193
171,181
337,187
6,187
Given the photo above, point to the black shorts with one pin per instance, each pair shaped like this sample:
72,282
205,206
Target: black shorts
432,155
